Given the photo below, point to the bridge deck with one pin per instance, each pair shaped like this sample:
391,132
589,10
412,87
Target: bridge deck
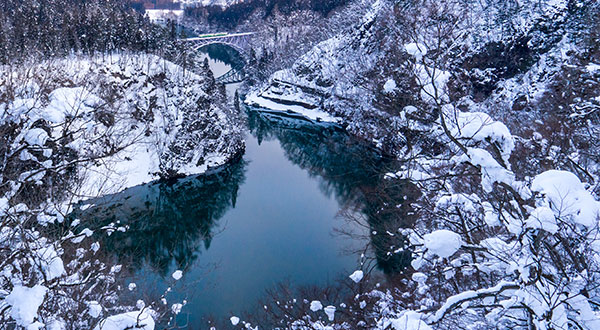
218,36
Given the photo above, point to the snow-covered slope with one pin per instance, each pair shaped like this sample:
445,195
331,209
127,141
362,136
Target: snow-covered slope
80,127
497,53
127,119
328,71
222,3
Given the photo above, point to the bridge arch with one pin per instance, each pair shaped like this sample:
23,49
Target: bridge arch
240,42
234,58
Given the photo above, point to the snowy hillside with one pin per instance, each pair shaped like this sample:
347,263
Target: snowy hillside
223,3
82,127
153,118
491,50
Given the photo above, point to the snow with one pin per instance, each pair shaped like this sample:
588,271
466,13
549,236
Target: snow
146,144
36,137
234,320
389,86
433,84
443,242
24,302
176,308
177,275
312,114
162,15
478,126
593,67
565,195
419,278
357,276
141,320
417,50
466,295
410,321
50,263
68,101
543,218
315,305
94,309
491,171
330,312
465,202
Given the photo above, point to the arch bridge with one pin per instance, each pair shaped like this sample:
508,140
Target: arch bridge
238,41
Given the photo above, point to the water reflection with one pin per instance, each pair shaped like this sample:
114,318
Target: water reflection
343,165
167,221
224,54
353,172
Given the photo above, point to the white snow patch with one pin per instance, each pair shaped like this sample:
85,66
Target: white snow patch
315,305
443,243
543,218
566,196
410,321
36,137
417,50
389,86
94,309
127,321
312,114
176,308
50,263
24,302
357,276
177,275
479,126
330,311
593,67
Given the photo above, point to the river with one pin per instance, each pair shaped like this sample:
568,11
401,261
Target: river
268,218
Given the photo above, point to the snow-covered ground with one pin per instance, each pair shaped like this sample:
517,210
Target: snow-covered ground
162,16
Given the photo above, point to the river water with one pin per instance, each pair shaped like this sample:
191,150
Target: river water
269,217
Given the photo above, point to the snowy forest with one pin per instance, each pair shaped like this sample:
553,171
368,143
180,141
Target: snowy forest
300,164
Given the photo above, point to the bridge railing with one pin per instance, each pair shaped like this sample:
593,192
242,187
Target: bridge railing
218,36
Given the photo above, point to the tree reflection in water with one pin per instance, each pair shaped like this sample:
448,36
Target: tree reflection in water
353,172
167,221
